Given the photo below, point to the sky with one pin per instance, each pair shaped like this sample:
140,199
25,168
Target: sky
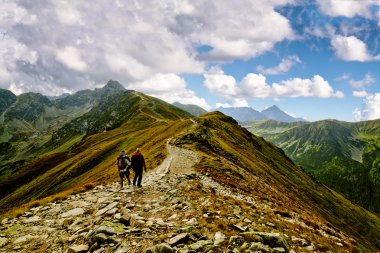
314,59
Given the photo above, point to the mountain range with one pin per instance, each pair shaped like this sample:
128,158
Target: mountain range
192,109
344,156
243,114
70,144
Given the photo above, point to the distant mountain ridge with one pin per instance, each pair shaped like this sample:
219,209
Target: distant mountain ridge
242,113
192,109
245,114
275,113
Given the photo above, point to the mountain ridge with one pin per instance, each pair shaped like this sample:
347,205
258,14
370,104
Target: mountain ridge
247,114
339,154
227,154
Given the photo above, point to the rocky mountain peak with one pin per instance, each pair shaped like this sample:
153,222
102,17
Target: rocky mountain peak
113,85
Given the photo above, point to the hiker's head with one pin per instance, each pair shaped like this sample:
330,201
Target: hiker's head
138,150
122,152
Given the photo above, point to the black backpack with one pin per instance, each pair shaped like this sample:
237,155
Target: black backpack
121,162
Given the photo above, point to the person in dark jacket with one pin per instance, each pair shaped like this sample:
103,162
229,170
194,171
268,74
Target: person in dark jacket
123,164
138,164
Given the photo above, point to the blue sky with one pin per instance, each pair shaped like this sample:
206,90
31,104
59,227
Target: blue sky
314,59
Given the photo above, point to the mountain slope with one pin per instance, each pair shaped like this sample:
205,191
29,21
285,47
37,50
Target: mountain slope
235,157
275,113
30,121
80,151
342,155
192,109
7,98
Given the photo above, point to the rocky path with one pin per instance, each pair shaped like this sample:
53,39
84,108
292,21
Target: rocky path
176,210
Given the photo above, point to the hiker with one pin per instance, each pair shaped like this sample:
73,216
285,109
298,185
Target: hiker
123,164
138,163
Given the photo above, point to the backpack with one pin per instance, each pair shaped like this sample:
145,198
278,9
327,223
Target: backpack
121,162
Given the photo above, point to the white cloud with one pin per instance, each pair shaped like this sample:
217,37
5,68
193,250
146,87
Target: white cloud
169,87
238,102
71,58
82,44
351,49
297,87
221,84
13,54
255,86
347,8
160,83
370,109
361,93
367,80
343,77
283,67
242,29
66,13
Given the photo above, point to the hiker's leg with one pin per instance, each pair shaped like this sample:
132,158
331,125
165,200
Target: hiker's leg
127,176
135,178
140,177
121,178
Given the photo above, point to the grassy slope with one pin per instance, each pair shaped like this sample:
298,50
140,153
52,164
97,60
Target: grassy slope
339,154
92,158
236,157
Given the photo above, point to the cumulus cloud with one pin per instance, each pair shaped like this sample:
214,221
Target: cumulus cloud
351,49
78,44
169,87
297,87
283,67
70,56
347,8
255,86
370,109
361,93
221,84
367,80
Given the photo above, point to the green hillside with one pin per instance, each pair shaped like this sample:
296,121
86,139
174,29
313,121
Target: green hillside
81,152
345,156
192,109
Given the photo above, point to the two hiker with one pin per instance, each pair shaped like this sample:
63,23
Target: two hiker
137,162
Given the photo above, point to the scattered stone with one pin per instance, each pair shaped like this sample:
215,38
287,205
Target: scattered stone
3,241
33,219
200,244
73,212
258,246
278,250
219,238
160,248
179,239
252,237
311,247
78,248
